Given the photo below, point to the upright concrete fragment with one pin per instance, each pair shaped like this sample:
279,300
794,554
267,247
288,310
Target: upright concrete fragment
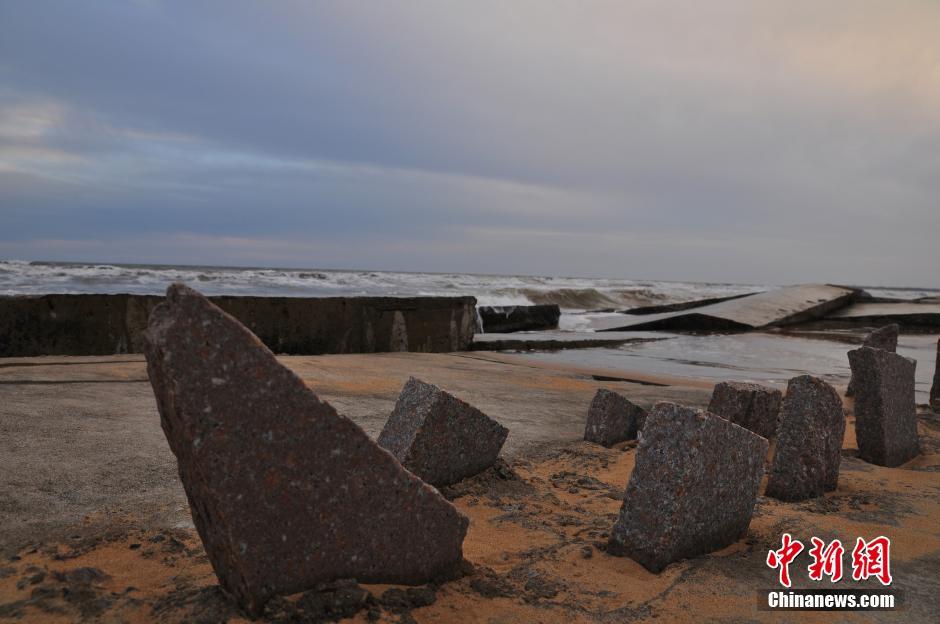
693,488
809,441
752,406
438,437
612,418
885,415
284,492
884,338
935,388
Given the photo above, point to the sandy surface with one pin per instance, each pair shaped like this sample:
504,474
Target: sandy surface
81,435
95,526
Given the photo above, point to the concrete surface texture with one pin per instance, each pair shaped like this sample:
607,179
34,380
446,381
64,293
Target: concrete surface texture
113,324
79,435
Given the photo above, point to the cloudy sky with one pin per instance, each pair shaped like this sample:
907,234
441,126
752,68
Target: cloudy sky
757,141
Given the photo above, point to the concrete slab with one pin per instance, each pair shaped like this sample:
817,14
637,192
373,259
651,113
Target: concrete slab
907,315
533,341
684,305
784,306
66,324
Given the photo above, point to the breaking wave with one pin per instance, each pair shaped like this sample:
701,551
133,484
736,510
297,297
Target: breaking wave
570,293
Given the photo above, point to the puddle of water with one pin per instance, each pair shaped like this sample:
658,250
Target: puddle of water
764,358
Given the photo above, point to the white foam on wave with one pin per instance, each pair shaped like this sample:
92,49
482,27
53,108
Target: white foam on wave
571,293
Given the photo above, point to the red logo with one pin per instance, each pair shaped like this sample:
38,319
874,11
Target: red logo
783,557
872,559
826,561
869,559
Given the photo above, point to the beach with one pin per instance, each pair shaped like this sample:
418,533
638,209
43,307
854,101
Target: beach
96,488
97,524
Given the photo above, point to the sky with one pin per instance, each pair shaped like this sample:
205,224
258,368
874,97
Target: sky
731,140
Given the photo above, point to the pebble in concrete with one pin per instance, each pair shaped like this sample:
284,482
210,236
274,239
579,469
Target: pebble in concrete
752,406
438,437
612,418
285,492
885,414
809,441
884,338
693,489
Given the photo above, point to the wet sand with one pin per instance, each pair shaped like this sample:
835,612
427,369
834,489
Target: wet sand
96,524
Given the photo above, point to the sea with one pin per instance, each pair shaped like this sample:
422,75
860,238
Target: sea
758,357
576,294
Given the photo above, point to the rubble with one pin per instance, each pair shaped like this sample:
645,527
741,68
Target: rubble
809,441
438,437
693,488
885,414
284,492
612,418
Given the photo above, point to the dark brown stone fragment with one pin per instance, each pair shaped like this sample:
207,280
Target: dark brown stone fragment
285,492
612,418
809,441
884,338
438,437
752,406
885,414
693,488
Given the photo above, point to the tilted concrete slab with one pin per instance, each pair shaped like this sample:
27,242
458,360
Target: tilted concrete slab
784,306
684,305
904,314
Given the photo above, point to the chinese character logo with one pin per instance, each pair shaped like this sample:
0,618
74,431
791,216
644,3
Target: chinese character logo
784,557
869,559
826,561
872,559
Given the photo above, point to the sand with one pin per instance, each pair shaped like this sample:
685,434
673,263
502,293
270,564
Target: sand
534,551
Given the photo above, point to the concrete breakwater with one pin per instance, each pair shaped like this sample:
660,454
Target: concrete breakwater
95,324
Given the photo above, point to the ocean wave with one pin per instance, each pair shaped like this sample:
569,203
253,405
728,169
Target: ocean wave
572,294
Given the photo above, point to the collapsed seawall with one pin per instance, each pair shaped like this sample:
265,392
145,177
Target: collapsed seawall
95,324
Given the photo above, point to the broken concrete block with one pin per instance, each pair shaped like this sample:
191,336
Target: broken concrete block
693,488
935,388
752,406
612,418
809,441
885,414
505,319
884,338
285,492
438,437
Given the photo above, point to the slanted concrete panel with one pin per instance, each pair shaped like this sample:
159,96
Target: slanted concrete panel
784,306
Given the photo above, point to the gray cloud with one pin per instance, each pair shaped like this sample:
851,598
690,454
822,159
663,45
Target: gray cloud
752,141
